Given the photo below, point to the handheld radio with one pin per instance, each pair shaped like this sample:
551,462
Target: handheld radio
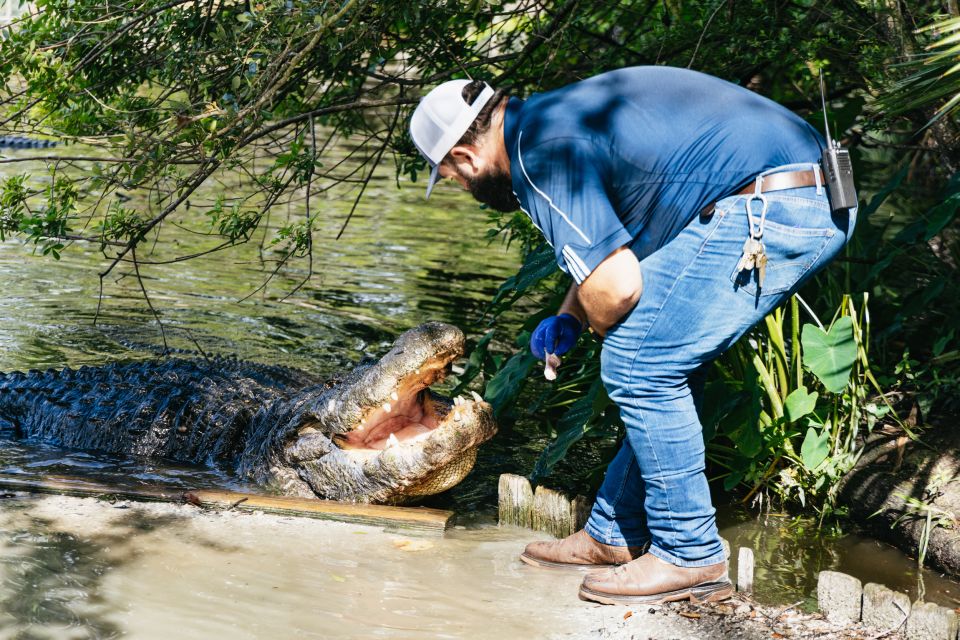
836,166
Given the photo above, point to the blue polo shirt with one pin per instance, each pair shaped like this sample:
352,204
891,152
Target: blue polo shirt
630,157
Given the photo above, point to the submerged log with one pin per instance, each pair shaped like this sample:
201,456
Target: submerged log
417,518
407,518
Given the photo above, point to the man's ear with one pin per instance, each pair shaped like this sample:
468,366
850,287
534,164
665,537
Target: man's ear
467,159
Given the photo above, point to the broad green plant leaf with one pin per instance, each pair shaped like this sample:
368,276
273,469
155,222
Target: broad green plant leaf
799,403
815,448
830,355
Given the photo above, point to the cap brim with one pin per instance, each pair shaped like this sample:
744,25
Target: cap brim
434,176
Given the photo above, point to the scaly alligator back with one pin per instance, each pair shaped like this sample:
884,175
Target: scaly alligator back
188,410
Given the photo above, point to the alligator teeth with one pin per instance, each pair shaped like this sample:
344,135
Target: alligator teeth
476,396
392,441
387,407
457,416
458,401
394,396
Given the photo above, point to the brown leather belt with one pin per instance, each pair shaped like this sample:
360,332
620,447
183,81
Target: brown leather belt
785,180
776,182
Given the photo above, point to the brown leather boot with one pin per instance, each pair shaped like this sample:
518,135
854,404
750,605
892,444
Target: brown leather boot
579,552
650,580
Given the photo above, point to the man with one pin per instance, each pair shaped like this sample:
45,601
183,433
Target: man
686,209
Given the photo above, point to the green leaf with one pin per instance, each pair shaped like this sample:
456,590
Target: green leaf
732,480
815,448
539,263
508,382
799,403
573,426
830,355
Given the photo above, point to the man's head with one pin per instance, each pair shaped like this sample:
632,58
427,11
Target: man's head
458,128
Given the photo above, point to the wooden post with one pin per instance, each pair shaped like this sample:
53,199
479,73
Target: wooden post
552,512
580,511
745,570
515,500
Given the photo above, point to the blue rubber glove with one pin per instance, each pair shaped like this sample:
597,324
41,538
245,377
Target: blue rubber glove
556,334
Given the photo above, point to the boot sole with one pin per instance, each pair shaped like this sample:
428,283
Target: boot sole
704,592
563,566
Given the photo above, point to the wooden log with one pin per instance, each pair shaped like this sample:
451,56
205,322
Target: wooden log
745,570
416,518
63,485
515,500
552,512
408,518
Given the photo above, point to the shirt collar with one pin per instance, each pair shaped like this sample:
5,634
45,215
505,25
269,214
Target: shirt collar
511,124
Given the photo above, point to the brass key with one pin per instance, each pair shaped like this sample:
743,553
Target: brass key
761,261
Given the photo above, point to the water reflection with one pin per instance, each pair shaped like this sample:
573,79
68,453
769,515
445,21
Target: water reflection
790,552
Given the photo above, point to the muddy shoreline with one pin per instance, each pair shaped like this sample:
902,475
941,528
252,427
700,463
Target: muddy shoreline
94,568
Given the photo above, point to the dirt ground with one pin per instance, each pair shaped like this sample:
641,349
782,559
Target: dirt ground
82,568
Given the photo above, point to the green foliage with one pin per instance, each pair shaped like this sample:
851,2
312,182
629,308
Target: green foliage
933,77
830,355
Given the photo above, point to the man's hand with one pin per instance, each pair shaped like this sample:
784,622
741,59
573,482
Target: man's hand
611,290
556,335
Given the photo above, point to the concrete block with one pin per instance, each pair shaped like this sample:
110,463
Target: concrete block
839,596
884,609
928,621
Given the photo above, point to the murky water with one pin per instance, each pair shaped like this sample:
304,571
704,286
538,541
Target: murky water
401,261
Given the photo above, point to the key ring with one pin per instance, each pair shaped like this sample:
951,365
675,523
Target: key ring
763,214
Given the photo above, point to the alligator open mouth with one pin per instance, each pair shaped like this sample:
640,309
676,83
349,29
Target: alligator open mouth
382,435
411,414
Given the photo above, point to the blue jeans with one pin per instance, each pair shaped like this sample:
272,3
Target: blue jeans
693,307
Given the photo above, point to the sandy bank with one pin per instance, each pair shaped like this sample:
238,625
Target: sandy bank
81,568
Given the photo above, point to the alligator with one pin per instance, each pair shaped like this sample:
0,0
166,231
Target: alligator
379,434
19,142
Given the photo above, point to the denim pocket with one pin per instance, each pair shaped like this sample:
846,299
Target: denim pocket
791,249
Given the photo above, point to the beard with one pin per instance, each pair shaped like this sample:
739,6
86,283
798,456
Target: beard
494,189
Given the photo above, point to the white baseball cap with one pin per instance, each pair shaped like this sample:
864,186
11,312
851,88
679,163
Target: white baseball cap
441,119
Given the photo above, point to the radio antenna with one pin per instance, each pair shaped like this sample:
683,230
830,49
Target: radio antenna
823,101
